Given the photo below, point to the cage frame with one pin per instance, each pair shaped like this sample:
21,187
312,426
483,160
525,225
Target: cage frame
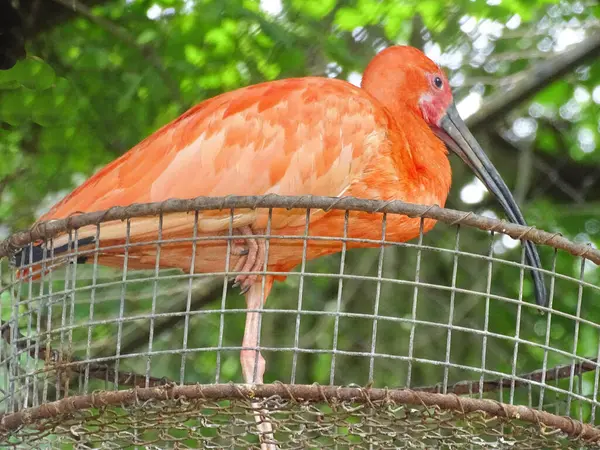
426,397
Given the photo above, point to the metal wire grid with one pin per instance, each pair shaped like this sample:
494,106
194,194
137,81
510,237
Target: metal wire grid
44,359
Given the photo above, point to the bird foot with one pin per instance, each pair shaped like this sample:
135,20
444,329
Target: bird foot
252,257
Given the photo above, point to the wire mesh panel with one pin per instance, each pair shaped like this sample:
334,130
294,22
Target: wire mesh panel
120,328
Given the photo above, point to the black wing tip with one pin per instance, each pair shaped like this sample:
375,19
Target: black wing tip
35,253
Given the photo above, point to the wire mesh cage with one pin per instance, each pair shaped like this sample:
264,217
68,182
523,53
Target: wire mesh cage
435,342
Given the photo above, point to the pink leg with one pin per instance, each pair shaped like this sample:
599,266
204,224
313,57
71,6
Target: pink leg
252,362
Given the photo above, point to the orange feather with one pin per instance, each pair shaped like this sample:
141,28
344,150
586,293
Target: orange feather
308,136
303,136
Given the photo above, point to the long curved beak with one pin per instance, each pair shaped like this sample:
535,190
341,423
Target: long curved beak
457,137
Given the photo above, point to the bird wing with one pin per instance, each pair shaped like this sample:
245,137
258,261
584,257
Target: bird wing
289,137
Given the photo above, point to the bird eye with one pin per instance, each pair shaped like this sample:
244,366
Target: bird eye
438,82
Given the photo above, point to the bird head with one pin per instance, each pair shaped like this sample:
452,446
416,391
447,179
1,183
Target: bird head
402,78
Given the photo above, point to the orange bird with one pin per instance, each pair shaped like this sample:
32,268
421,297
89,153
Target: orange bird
307,136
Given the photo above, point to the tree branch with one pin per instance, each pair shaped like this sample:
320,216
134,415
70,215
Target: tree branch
552,374
203,292
101,371
533,81
565,180
65,365
4,182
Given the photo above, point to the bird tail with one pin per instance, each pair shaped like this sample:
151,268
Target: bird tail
38,259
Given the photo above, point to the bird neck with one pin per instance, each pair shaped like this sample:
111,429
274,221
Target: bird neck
421,158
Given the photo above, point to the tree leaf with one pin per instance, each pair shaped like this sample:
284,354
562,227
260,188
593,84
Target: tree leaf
147,36
348,19
397,17
555,94
221,40
317,9
33,73
195,55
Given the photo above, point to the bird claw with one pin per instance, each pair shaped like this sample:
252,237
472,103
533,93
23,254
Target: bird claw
236,251
244,282
238,248
252,257
245,288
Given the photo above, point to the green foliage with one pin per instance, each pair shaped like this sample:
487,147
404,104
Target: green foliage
316,9
86,94
31,92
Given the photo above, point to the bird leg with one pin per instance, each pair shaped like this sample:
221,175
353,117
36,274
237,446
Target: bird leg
252,362
252,257
252,252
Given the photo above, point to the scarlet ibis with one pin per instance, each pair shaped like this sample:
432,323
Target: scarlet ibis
307,136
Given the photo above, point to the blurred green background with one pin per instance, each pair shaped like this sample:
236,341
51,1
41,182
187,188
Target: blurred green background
100,77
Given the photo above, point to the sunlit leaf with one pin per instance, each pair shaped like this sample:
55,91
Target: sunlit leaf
195,55
395,19
33,73
221,40
147,36
16,106
316,9
349,19
555,94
